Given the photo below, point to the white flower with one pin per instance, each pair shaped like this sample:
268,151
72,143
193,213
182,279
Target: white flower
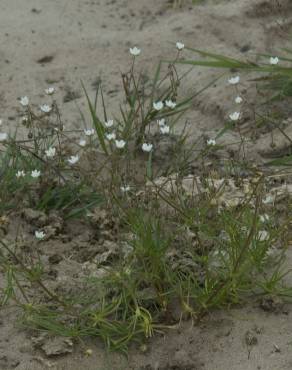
211,142
269,199
170,104
45,108
110,136
180,45
263,235
264,218
135,51
147,147
24,101
51,152
238,100
73,159
89,132
158,105
164,129
161,122
40,235
20,174
120,144
234,116
125,188
35,174
3,136
109,123
82,142
274,60
234,80
50,90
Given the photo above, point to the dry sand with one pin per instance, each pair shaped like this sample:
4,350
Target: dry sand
60,42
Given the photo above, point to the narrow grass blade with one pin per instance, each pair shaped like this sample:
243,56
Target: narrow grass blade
96,122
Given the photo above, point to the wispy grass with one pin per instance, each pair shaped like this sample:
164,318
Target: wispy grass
274,76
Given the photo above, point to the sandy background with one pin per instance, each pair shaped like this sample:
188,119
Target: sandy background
59,43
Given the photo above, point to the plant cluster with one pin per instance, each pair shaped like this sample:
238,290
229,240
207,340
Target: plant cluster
193,242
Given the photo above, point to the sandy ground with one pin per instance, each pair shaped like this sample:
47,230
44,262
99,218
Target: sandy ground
241,339
60,42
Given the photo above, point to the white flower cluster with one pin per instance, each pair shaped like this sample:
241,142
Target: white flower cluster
89,132
238,100
180,45
73,159
125,188
120,144
45,108
24,101
235,116
163,127
159,105
135,51
274,60
34,174
147,147
51,153
50,90
111,135
39,234
211,142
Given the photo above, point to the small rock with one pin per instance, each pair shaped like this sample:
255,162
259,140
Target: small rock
272,304
55,259
250,339
245,48
34,217
71,95
55,221
57,346
46,59
277,348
